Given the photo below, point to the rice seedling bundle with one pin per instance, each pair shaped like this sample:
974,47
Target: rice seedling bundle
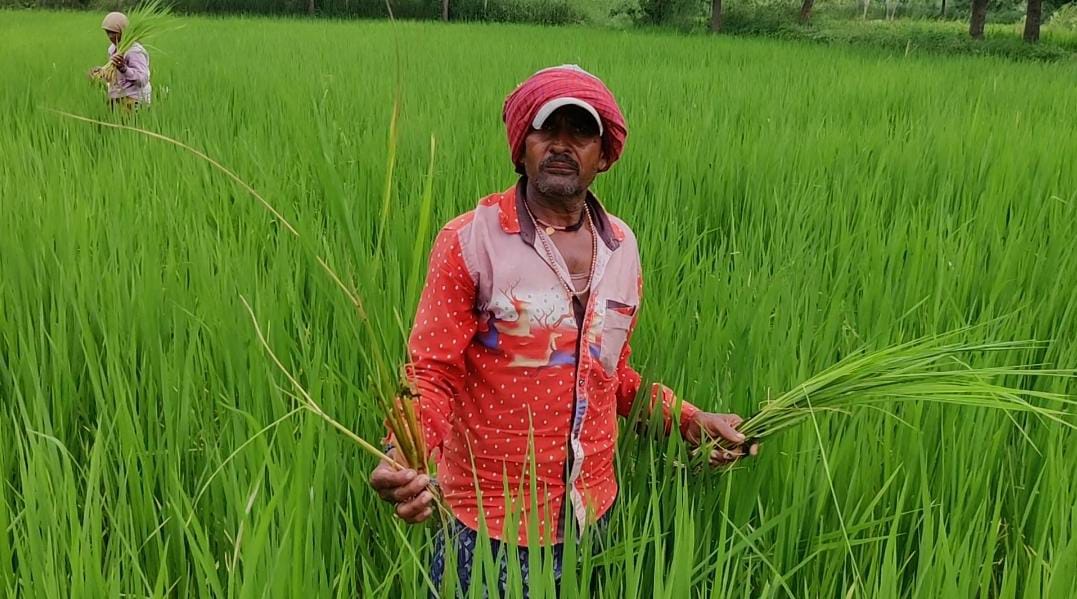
931,369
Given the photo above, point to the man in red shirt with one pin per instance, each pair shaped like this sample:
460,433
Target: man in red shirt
521,340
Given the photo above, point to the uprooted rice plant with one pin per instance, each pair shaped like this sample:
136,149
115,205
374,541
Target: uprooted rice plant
799,208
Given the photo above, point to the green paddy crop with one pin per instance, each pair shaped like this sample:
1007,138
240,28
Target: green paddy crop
795,205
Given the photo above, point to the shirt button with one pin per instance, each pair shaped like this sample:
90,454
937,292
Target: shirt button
580,382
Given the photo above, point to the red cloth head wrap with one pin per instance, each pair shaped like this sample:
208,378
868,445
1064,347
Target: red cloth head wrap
566,81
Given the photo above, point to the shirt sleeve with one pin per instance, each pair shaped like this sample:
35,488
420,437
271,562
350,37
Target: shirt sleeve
629,382
445,324
138,67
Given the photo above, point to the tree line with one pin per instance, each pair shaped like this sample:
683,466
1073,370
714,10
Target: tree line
977,17
542,11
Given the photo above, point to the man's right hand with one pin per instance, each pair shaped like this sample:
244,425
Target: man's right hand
405,488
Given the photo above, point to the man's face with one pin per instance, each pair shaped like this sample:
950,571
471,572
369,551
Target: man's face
113,37
562,158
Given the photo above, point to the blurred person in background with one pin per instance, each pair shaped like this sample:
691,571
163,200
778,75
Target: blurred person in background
127,74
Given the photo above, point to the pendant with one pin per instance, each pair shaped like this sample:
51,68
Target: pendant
550,230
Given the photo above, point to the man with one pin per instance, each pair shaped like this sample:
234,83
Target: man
521,341
129,86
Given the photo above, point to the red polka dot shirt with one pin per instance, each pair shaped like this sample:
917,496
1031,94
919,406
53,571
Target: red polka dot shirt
520,389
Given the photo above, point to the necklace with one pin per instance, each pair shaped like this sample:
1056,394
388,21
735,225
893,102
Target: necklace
553,261
551,229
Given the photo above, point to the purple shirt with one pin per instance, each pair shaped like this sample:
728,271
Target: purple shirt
135,81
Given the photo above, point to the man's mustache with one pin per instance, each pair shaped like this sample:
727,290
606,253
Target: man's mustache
560,159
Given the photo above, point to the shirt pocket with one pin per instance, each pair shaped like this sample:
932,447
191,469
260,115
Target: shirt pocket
616,326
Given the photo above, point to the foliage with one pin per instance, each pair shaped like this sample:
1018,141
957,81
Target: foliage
905,37
678,13
1064,19
551,12
543,12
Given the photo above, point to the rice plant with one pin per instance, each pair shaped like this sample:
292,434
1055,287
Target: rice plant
799,208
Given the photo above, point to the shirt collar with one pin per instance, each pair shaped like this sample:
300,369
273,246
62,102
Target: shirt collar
514,219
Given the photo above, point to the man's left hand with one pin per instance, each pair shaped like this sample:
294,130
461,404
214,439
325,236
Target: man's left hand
118,62
706,426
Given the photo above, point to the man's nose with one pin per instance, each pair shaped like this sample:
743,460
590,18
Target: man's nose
562,139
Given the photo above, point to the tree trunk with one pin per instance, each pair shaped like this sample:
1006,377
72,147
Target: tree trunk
1033,16
979,17
867,4
444,10
942,13
310,8
716,15
805,10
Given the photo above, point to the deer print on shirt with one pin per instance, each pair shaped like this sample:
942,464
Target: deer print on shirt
534,333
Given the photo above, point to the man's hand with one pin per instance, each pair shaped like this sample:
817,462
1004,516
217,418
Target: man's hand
705,426
118,62
406,488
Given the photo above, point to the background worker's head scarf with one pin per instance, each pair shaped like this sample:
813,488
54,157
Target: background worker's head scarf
535,99
115,22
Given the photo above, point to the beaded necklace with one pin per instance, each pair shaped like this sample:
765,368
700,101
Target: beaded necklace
553,261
